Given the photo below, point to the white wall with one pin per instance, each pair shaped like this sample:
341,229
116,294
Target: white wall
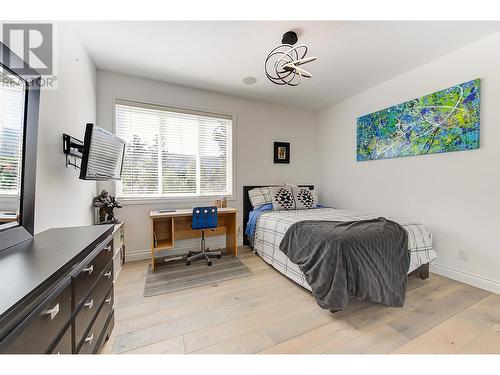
257,126
456,195
62,199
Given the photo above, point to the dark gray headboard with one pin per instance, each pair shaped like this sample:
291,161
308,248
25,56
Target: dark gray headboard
247,206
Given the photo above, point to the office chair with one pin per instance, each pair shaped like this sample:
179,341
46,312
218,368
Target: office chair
203,218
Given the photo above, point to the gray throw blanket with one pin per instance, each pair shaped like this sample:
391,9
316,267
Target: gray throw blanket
366,259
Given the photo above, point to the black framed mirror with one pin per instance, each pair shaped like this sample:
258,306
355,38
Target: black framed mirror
19,107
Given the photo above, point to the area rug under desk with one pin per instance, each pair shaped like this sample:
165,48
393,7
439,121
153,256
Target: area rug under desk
175,275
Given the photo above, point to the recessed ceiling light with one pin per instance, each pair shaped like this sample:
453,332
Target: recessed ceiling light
249,80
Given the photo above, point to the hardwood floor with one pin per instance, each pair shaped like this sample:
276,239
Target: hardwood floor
267,313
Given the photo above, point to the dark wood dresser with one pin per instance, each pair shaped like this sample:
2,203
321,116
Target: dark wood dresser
56,292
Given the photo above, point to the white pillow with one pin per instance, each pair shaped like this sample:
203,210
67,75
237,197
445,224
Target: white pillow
305,198
282,198
259,196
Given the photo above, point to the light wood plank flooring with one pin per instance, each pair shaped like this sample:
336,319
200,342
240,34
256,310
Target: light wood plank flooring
267,313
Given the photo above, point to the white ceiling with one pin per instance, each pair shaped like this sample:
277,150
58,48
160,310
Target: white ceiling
352,55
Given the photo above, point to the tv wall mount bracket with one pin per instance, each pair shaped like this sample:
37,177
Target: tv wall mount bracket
73,149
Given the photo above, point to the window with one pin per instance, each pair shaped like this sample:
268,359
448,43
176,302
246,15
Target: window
172,152
11,136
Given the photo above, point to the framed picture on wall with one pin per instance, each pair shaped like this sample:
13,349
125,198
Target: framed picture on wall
282,152
444,121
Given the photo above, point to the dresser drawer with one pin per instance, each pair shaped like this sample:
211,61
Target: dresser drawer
90,341
90,273
39,330
63,346
92,303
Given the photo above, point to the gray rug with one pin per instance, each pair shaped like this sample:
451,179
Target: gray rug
174,276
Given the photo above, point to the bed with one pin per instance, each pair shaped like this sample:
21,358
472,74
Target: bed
270,228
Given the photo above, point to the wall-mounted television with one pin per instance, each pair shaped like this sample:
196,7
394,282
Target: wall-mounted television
102,155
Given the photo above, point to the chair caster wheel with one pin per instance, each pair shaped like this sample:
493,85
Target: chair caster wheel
188,263
209,263
219,256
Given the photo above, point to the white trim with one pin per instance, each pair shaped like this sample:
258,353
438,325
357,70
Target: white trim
172,108
216,243
466,277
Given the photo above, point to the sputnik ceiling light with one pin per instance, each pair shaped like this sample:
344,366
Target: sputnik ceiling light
282,63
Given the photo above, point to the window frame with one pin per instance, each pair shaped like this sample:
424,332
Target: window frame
176,199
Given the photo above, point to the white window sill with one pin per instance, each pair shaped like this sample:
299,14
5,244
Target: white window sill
173,200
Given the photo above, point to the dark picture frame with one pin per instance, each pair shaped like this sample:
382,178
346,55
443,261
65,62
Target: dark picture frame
281,152
19,231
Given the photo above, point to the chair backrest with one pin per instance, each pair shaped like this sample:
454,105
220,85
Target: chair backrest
204,217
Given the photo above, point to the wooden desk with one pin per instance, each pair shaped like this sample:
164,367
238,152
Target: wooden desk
167,227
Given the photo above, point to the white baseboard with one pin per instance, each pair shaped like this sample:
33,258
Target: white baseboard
181,247
466,277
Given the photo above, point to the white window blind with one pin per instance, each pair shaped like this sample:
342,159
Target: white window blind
11,135
173,152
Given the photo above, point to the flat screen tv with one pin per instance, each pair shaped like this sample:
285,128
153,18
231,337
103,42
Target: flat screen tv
102,157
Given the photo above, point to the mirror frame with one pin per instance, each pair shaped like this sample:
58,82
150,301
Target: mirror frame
16,232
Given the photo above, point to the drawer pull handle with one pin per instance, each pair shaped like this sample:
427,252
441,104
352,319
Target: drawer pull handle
108,300
89,338
89,270
52,312
89,304
109,248
108,274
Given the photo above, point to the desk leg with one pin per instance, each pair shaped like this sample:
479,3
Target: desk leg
231,235
152,260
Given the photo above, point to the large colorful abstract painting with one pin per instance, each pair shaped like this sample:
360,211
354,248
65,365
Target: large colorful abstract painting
444,121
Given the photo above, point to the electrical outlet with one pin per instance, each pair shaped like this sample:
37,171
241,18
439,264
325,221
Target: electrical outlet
462,254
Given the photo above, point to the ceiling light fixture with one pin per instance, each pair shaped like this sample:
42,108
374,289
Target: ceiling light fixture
282,63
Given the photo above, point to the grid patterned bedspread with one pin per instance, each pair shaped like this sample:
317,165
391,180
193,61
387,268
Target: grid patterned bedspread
271,227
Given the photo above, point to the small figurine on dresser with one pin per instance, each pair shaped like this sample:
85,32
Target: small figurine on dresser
106,204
